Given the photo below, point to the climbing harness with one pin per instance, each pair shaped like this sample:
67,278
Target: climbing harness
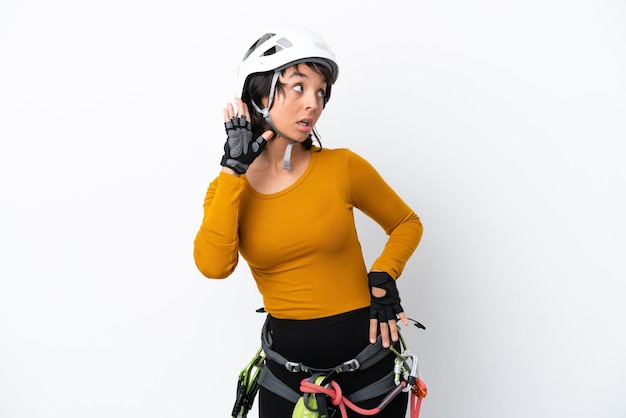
319,389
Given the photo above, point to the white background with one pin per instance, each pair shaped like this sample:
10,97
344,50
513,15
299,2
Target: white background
501,123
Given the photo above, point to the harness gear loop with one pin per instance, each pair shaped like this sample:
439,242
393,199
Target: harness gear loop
406,361
248,386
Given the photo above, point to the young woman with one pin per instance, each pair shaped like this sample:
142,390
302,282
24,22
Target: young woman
286,205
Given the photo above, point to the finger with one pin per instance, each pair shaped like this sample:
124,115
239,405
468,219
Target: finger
259,144
268,135
404,318
229,112
373,330
384,333
393,330
242,109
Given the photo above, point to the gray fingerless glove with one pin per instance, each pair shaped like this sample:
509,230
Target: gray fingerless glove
240,150
384,309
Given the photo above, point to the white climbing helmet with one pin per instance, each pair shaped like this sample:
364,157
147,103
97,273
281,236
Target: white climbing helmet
285,46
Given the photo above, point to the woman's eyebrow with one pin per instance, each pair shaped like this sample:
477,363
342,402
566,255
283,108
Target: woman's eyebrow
297,73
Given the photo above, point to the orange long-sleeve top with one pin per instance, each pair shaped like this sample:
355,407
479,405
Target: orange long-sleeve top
301,243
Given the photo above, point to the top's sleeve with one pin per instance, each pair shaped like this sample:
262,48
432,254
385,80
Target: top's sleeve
216,246
376,199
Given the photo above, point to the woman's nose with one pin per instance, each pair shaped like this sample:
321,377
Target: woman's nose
312,101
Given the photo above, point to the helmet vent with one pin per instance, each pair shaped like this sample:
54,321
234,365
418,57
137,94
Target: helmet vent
271,51
255,45
282,43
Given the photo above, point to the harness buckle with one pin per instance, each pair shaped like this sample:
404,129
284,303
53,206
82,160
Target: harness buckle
295,367
350,366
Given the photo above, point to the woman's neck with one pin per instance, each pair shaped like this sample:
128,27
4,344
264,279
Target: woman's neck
275,153
267,173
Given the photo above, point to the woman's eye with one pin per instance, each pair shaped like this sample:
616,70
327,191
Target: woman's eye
298,88
321,94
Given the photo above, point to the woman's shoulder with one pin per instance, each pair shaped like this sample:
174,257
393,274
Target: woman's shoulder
340,155
335,153
343,162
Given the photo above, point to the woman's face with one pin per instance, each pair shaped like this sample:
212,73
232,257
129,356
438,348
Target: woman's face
298,107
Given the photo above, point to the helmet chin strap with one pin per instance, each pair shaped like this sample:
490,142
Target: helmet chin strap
287,156
266,115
